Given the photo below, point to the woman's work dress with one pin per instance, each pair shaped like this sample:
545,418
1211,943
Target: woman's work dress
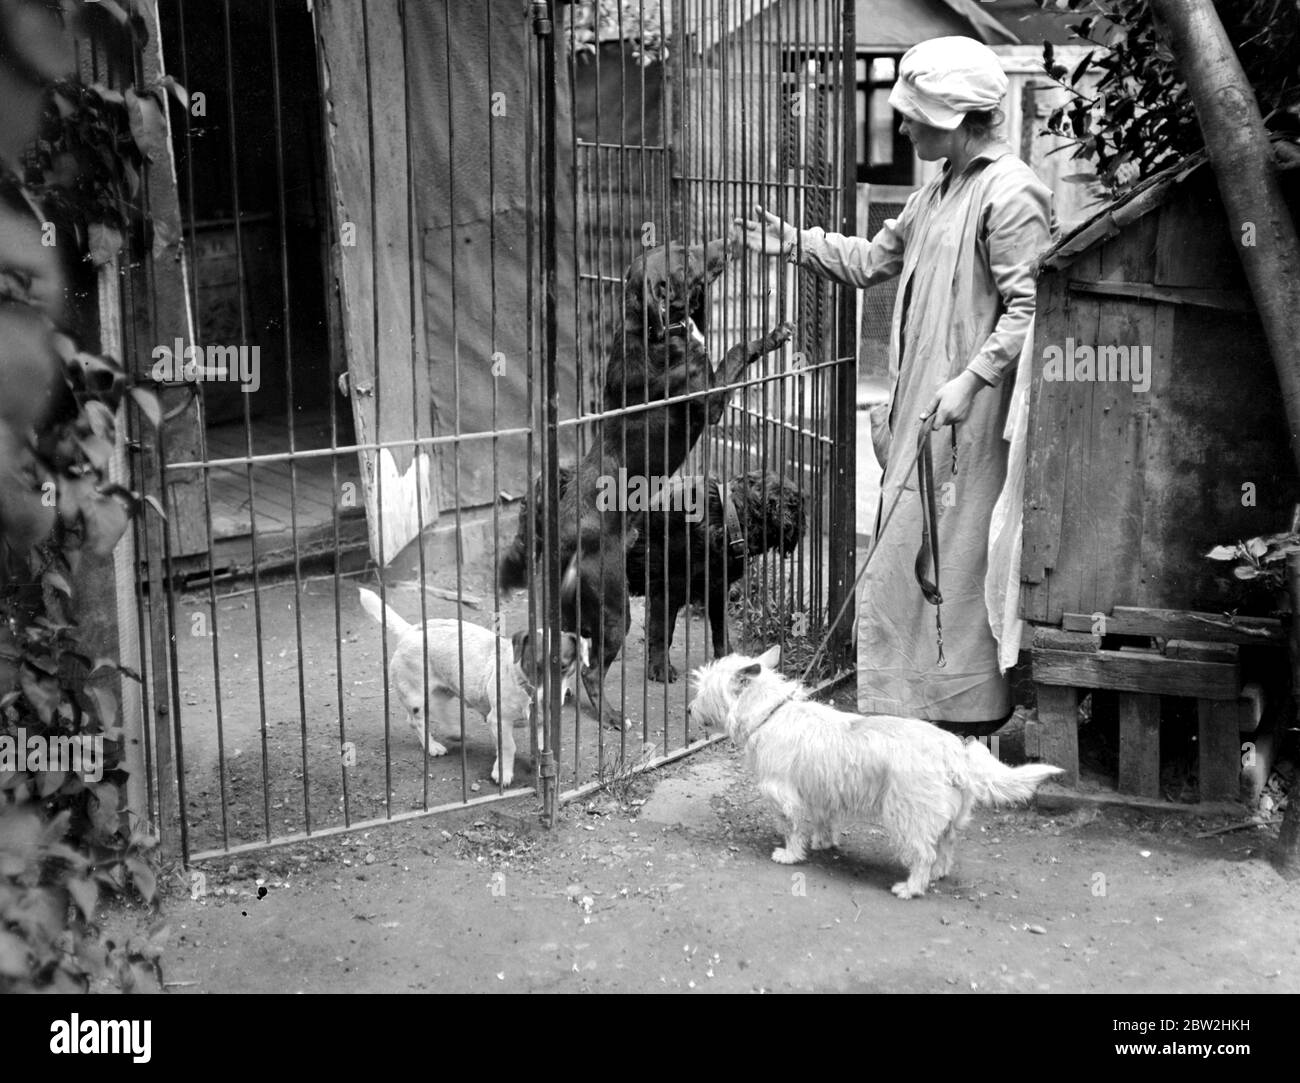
965,248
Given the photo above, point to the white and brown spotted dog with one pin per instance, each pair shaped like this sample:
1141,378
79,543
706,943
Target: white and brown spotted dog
446,640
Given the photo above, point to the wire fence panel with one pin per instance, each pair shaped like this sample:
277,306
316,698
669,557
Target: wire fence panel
492,434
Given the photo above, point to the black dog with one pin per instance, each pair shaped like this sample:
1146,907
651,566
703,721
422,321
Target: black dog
683,542
702,554
659,353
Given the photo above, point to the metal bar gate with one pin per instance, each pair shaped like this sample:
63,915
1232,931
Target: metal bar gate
403,495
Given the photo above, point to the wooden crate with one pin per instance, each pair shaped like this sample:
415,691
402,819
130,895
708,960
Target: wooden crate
1186,654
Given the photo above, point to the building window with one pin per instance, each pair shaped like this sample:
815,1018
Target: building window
884,153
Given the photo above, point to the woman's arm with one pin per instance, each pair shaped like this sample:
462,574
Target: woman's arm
1018,227
853,261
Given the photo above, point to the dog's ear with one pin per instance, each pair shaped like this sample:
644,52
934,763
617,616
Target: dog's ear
771,657
584,651
750,671
520,642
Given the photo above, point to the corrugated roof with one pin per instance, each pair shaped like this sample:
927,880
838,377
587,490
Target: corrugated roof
900,24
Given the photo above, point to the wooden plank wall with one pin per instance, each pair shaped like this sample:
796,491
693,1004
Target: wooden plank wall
1126,490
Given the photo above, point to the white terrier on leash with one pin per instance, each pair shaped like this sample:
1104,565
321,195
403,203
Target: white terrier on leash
820,767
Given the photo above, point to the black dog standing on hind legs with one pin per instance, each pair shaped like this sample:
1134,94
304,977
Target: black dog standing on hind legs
659,353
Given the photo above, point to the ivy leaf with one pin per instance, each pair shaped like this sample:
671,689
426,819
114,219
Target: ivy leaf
148,125
105,704
148,403
41,692
116,10
105,243
85,893
143,878
1222,552
13,956
103,808
48,782
54,579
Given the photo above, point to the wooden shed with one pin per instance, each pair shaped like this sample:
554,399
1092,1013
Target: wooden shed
1156,432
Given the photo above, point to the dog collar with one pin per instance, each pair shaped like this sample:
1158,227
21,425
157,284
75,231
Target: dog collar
735,535
687,325
768,717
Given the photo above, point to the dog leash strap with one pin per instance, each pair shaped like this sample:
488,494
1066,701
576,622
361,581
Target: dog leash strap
735,536
851,595
928,555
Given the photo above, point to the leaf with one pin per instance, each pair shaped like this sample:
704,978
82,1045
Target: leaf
103,808
143,878
1257,547
116,10
13,956
148,403
1222,552
1246,571
105,704
148,125
105,243
41,692
48,782
54,579
85,893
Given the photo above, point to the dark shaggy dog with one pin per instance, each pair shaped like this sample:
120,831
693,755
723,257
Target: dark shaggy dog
712,542
766,513
659,353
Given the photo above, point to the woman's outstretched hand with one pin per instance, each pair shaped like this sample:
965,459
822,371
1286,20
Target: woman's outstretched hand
952,402
769,235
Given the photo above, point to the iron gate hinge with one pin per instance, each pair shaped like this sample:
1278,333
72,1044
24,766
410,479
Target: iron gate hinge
541,18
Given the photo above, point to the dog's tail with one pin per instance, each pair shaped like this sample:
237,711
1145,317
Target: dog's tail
994,783
384,614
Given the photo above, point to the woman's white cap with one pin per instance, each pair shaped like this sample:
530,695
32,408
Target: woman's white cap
943,79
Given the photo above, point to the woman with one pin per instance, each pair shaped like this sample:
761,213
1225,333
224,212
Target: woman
965,246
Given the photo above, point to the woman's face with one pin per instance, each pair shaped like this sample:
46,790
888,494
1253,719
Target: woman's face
931,143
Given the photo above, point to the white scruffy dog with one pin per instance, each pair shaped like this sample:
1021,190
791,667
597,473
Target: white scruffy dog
447,640
820,766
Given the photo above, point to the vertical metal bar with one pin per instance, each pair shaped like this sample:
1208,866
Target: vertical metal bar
844,481
286,321
413,301
333,247
205,474
535,496
543,15
248,421
455,361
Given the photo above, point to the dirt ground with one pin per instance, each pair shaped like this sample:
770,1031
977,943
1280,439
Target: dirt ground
666,884
662,882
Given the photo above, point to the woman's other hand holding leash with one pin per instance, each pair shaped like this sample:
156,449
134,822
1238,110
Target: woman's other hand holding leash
952,402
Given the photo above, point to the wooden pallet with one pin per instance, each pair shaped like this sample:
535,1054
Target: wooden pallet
1193,655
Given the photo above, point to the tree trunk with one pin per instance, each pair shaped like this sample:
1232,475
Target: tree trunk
1243,162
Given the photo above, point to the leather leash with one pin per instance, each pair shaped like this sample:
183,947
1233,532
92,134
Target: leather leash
928,555
922,447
